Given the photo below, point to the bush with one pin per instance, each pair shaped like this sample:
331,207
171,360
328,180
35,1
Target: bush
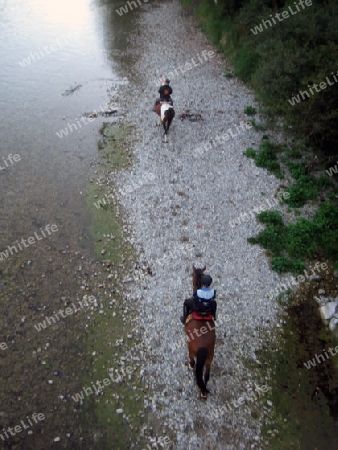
289,245
300,238
303,190
326,229
281,264
273,237
267,158
246,62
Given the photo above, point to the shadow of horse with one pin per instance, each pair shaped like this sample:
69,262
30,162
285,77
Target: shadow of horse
201,342
166,113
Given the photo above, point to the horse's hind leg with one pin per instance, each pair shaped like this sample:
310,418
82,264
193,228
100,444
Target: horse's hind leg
207,368
165,127
191,359
206,374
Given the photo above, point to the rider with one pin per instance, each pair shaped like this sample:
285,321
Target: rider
203,300
165,92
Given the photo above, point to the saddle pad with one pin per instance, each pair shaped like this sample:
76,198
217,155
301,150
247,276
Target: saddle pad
197,316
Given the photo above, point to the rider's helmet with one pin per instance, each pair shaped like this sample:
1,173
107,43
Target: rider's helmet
206,280
167,81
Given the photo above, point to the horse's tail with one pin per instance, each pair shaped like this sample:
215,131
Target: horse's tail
202,354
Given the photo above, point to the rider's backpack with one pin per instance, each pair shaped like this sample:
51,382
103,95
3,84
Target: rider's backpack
203,306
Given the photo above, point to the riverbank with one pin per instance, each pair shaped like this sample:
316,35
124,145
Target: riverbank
179,211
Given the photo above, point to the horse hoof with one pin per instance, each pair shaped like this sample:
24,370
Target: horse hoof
204,396
190,367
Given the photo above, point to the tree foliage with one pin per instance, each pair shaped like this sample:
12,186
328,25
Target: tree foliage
283,58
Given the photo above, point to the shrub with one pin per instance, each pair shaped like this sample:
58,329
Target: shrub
303,190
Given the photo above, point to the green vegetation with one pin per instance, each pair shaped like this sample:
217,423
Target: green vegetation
250,111
110,332
290,245
282,59
266,157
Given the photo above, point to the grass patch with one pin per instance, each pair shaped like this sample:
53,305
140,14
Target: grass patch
266,157
289,246
250,111
107,335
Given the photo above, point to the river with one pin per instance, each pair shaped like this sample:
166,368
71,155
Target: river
61,62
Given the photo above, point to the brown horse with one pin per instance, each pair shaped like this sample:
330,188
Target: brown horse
166,113
201,341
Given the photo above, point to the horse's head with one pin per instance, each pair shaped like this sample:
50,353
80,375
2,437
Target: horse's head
197,275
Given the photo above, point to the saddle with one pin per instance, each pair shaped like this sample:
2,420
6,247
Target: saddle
198,316
162,100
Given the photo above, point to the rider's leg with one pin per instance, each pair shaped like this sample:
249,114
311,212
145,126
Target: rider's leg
156,103
187,306
214,310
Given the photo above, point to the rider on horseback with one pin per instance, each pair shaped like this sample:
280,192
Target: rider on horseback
165,92
202,301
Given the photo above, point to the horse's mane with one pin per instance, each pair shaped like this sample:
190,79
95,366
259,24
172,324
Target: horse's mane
197,277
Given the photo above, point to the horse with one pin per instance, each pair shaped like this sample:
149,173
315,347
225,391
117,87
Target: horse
202,345
166,112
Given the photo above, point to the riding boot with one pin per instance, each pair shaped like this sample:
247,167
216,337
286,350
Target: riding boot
214,312
185,314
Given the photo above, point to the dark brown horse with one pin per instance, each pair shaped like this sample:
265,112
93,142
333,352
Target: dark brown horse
201,341
166,113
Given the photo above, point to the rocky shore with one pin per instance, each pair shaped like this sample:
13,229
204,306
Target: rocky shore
180,200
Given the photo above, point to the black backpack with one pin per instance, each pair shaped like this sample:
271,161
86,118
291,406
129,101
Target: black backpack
203,306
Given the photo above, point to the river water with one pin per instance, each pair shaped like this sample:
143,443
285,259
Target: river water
59,60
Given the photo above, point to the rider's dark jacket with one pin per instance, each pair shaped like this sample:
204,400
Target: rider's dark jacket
165,92
204,300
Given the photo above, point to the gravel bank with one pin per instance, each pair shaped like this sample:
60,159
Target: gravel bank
180,200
